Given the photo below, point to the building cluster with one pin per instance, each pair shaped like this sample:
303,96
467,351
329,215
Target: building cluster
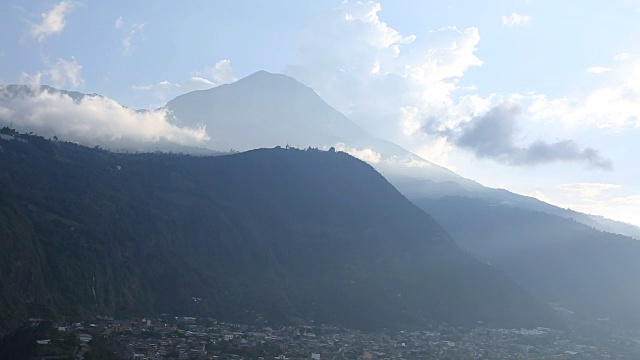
198,338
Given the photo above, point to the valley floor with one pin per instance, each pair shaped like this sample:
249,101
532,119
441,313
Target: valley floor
171,337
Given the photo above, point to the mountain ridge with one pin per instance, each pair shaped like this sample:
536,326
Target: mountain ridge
290,235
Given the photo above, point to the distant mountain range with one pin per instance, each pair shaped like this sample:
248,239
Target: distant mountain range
267,110
587,273
288,236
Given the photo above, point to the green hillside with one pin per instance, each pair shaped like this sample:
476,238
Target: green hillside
291,235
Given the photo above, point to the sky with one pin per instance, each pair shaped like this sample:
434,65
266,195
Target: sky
538,97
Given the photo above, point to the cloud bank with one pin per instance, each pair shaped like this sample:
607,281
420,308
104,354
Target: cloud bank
89,119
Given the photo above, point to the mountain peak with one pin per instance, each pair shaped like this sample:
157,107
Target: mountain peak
266,110
263,74
273,81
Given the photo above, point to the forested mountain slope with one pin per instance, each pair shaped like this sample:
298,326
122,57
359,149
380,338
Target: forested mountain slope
576,267
292,235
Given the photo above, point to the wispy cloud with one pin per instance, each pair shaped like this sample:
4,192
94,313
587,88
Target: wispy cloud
66,72
162,90
598,69
127,41
53,22
62,74
516,20
33,81
611,200
118,23
615,104
587,190
221,73
621,57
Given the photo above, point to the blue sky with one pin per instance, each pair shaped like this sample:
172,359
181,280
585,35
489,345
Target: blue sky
539,97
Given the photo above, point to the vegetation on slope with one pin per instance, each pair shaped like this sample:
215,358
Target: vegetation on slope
291,235
561,261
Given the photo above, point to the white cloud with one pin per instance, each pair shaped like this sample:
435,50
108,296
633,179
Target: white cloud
408,162
66,72
221,73
437,152
92,119
516,20
621,208
621,57
62,74
199,83
367,155
129,34
53,22
119,22
538,195
587,190
614,105
598,69
405,88
613,201
127,41
389,83
163,90
33,81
